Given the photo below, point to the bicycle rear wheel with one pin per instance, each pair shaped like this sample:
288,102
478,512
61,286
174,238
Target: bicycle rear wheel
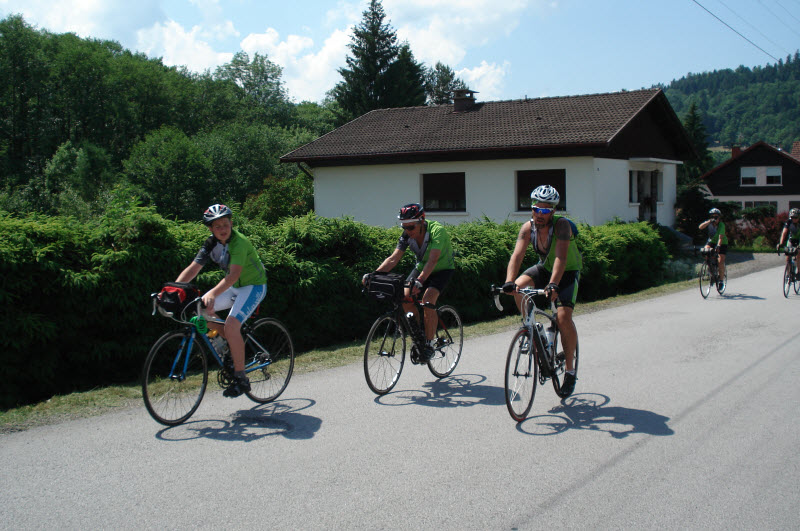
269,359
795,278
384,354
705,280
522,374
449,341
787,279
174,377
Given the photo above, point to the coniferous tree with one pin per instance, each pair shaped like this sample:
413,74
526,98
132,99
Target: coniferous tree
440,82
405,80
374,48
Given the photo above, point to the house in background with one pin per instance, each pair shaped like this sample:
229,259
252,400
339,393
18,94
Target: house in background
609,155
759,175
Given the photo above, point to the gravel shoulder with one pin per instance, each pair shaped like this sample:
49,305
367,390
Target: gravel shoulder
740,264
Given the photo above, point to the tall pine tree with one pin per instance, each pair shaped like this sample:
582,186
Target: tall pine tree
440,82
379,74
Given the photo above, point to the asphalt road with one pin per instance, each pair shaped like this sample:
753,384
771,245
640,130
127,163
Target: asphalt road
684,416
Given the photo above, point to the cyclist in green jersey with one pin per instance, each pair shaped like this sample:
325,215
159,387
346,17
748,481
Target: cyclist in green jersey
431,245
717,239
242,289
558,270
791,230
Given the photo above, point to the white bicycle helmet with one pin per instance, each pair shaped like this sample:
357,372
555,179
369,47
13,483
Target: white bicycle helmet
545,194
715,211
794,212
215,212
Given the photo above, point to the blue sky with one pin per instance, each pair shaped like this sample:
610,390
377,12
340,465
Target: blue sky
504,49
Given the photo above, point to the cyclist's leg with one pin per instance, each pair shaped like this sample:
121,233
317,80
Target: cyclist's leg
434,286
567,295
723,250
244,304
536,276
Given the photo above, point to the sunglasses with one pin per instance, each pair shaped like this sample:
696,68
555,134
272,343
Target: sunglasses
714,217
538,210
795,217
409,228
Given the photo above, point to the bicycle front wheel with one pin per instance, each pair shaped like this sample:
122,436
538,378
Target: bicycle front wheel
269,359
795,279
449,341
174,377
705,280
384,355
787,280
522,372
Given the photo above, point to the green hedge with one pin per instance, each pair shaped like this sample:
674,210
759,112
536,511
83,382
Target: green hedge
75,295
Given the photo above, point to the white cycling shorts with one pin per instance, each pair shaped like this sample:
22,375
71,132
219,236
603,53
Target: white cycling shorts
242,301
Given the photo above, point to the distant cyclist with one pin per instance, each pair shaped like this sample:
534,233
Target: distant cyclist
430,243
558,270
716,239
791,231
241,290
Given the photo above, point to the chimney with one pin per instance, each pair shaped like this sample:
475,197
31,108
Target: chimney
463,100
796,149
735,151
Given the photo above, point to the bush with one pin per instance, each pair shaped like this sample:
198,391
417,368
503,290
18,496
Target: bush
75,295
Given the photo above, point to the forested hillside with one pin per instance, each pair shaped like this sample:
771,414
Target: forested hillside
745,105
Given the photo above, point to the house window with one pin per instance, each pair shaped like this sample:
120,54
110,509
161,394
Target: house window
444,192
751,204
748,176
774,175
643,184
528,180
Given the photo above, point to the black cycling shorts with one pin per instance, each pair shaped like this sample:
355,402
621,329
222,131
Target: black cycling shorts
567,288
437,280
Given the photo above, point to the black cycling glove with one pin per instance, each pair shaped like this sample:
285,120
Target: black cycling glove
509,287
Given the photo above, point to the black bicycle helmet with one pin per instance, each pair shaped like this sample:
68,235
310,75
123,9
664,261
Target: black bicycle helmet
215,212
410,213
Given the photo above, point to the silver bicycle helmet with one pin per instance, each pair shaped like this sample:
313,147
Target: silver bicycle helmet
215,212
793,213
714,211
545,194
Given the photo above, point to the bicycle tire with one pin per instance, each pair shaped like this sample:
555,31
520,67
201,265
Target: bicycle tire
267,341
796,278
705,280
449,342
787,279
521,376
171,400
384,354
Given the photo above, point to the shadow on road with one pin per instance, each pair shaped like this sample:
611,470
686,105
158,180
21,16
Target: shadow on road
589,411
737,297
264,420
454,391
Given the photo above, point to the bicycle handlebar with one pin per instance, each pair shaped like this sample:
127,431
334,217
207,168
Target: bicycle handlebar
496,291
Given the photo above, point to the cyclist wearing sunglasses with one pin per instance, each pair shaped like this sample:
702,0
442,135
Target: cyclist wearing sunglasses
791,231
431,245
558,270
716,238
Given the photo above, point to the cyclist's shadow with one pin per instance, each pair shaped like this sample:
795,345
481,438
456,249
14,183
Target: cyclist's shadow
279,418
453,391
588,411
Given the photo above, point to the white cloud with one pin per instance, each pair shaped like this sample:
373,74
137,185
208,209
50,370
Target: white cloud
487,79
308,75
177,47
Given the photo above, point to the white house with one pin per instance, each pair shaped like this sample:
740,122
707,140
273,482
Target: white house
609,155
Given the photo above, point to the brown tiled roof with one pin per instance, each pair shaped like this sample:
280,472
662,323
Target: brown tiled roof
503,125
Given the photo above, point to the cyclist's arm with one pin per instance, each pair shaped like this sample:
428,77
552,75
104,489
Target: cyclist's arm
430,265
784,234
191,271
391,261
523,240
704,224
235,271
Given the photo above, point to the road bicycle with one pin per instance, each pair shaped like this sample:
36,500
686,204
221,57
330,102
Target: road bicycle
790,275
175,372
709,273
533,356
385,350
